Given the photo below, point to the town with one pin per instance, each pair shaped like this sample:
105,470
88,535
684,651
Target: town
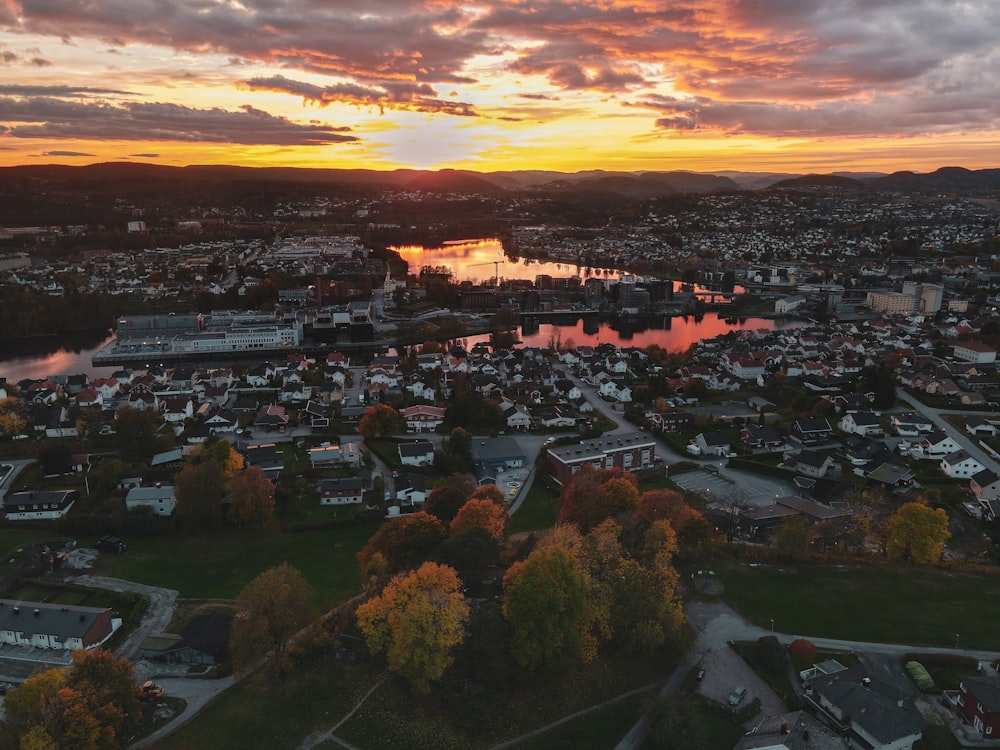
358,395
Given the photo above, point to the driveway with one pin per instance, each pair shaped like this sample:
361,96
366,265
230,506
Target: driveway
725,670
162,603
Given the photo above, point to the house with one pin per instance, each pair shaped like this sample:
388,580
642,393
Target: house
864,423
979,427
422,418
346,491
271,418
872,714
812,430
417,453
172,456
670,421
629,451
497,454
159,498
960,465
177,409
616,390
314,415
204,640
265,455
34,505
986,487
348,454
55,626
792,731
936,446
910,424
979,704
411,489
553,418
714,443
515,415
811,463
89,397
974,351
761,439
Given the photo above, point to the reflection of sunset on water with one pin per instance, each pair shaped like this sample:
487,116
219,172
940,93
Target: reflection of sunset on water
473,261
683,332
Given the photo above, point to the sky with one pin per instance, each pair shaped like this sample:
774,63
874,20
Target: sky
702,85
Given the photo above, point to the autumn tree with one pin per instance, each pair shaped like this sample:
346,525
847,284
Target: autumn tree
448,495
380,420
918,533
136,435
403,543
469,552
594,495
199,489
271,609
417,620
490,492
222,452
485,514
251,498
13,416
545,603
92,706
692,529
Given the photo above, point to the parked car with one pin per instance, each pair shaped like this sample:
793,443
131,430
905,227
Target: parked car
737,696
112,545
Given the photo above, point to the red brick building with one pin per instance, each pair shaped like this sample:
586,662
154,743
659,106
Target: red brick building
979,702
630,452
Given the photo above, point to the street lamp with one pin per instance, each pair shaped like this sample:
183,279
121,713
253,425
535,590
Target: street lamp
772,624
956,640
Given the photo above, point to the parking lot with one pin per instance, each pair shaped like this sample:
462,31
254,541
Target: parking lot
717,482
725,670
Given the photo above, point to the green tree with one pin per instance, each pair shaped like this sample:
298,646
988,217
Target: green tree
918,533
545,603
417,620
380,420
136,435
271,609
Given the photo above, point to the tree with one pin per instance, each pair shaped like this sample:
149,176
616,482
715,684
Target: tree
594,495
136,435
13,416
403,543
417,620
222,452
485,514
918,533
199,489
456,452
803,651
490,492
545,603
251,498
56,458
272,608
380,420
92,706
692,529
469,552
450,494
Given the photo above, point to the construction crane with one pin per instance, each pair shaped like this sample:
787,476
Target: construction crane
496,265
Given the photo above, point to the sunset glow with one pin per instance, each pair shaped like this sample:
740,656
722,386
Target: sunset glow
705,85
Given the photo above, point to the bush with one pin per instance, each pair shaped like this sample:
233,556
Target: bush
920,676
803,651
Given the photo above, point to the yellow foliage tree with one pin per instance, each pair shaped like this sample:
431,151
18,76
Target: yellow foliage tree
918,532
417,620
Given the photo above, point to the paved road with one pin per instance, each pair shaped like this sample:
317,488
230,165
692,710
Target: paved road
162,604
960,436
10,479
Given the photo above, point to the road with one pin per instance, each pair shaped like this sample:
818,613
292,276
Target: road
10,479
961,437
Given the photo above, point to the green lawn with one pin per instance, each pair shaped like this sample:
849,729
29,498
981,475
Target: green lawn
538,511
601,728
878,603
13,539
218,566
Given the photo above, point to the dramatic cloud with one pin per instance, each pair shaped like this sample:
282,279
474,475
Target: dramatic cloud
419,97
65,153
54,118
757,68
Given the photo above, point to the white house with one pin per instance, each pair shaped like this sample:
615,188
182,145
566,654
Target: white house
159,498
936,446
863,423
418,453
974,351
422,418
35,505
960,465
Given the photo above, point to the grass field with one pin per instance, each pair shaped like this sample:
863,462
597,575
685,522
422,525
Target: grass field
538,511
879,603
218,566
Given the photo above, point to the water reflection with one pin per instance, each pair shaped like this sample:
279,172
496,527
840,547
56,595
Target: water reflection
63,355
473,260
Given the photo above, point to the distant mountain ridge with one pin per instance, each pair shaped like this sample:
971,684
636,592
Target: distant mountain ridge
640,184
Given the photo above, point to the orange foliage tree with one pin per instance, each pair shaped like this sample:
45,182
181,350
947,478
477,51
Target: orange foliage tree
485,514
402,543
594,495
417,620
